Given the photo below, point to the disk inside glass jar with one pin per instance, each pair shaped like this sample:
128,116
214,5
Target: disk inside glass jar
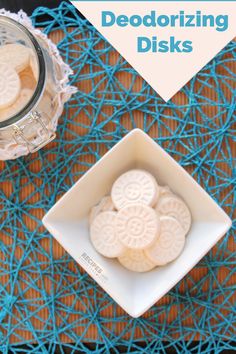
19,62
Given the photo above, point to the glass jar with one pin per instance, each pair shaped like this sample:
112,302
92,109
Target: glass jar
31,121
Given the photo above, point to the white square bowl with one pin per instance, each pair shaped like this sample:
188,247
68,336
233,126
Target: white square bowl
67,221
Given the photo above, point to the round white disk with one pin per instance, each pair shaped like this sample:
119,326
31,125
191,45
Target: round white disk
137,226
175,207
165,190
136,260
18,105
9,85
15,55
103,237
105,204
169,244
135,186
27,79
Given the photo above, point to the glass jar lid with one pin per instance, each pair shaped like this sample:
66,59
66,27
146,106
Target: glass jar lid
22,71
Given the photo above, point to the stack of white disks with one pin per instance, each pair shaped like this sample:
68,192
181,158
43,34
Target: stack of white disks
18,78
142,224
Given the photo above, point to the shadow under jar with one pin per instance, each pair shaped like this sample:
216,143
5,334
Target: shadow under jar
30,122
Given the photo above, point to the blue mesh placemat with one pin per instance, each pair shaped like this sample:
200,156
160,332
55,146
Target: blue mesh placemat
46,300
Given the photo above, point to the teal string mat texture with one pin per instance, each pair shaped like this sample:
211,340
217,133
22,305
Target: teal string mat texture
48,304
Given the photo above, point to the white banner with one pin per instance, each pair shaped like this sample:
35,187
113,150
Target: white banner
167,42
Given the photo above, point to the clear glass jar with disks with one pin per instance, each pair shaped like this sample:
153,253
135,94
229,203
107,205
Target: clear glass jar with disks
31,90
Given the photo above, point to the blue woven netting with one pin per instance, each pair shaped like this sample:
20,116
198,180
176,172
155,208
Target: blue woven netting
46,299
